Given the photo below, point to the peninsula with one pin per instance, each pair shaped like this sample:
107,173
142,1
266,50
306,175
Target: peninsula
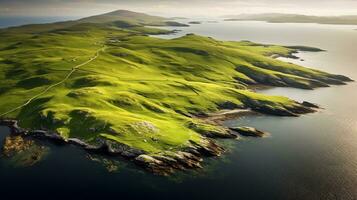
104,84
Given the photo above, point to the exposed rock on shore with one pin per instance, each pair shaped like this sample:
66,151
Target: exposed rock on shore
163,163
249,131
282,110
109,164
15,144
167,162
211,131
22,152
309,104
188,157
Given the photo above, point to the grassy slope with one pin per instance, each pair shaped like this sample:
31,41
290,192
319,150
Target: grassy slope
140,91
120,19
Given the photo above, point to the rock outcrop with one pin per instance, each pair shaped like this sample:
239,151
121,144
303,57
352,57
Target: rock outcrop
163,163
22,151
309,104
249,131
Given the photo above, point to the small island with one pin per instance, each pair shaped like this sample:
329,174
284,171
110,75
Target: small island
103,84
195,22
295,18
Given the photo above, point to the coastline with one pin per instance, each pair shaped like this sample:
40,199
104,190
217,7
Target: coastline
306,157
185,159
189,158
178,157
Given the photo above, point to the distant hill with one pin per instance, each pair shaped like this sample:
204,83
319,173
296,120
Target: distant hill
119,18
295,18
123,15
131,17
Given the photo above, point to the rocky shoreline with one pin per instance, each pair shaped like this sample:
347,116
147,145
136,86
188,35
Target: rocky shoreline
249,131
165,163
162,164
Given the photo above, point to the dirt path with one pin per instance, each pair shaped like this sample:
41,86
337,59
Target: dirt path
54,85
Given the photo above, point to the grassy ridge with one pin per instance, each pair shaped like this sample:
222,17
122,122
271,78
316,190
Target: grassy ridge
140,91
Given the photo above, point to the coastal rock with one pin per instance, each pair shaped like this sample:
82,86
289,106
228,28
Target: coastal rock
15,144
300,109
249,131
293,110
207,148
23,152
169,160
77,141
43,134
188,160
166,163
309,104
109,164
13,125
113,148
154,165
341,78
228,105
274,111
211,131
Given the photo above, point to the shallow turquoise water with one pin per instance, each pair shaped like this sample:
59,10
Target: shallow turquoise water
310,157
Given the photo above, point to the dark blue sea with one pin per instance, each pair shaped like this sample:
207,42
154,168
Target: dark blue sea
6,21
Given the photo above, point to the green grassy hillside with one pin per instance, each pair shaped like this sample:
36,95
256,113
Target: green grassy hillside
112,82
119,18
133,18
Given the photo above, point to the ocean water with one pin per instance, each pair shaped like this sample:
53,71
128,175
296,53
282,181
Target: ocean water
6,21
309,157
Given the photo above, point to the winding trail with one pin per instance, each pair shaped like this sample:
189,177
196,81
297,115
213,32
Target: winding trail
56,84
77,68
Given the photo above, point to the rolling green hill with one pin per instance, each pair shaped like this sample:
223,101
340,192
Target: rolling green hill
119,18
110,85
133,18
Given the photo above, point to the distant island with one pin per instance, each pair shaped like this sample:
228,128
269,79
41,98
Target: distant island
295,18
195,22
103,84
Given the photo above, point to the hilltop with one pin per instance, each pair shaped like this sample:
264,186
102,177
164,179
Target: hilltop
119,18
134,18
109,87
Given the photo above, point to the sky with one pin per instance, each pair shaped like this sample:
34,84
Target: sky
172,8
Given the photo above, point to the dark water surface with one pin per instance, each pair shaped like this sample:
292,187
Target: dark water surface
6,21
310,157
